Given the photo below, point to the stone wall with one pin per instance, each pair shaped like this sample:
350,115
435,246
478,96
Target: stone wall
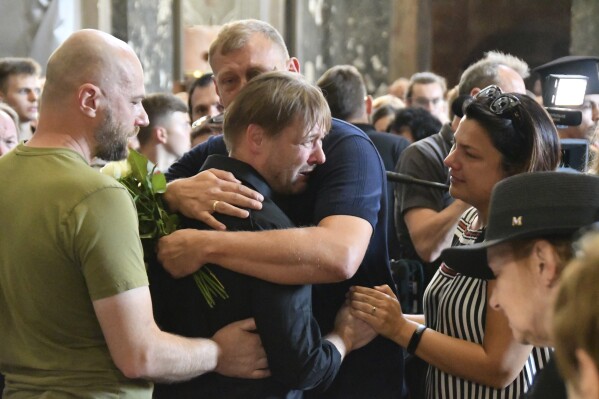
384,39
148,27
585,30
332,32
535,30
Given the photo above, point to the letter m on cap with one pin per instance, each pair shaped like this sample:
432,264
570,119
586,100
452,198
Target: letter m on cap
516,221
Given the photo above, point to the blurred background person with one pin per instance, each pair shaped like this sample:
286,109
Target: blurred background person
399,87
414,124
20,87
427,90
202,98
576,321
204,105
201,133
9,130
383,111
167,137
451,98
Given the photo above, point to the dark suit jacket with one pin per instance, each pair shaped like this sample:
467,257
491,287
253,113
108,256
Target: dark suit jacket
298,357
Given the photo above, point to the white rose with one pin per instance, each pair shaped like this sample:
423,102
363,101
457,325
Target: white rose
117,169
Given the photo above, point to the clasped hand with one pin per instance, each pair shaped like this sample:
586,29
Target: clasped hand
379,308
196,197
241,353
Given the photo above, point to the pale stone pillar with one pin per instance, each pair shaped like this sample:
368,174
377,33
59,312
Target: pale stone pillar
584,28
148,27
410,45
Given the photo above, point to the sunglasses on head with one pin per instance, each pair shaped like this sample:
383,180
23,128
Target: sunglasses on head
502,104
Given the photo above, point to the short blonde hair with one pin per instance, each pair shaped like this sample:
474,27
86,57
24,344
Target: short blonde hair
273,101
236,34
576,315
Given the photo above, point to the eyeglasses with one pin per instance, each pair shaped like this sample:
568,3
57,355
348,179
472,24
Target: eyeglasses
500,102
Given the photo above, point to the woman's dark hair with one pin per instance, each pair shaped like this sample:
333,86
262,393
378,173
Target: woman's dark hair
418,120
524,133
383,112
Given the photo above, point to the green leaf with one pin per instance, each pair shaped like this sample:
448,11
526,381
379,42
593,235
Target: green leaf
158,183
139,165
172,223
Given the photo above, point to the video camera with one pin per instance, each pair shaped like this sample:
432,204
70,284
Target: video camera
560,92
565,82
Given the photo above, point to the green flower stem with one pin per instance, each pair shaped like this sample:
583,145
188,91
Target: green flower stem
146,189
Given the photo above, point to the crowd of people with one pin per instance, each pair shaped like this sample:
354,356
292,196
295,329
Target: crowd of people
281,191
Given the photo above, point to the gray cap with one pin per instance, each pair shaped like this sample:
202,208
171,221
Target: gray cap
529,205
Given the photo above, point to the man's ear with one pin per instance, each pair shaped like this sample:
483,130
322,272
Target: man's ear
368,104
293,65
216,88
254,136
89,99
160,134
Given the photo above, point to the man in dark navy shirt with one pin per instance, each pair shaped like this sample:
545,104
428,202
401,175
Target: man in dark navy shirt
344,206
345,91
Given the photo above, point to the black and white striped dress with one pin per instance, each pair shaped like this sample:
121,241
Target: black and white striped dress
455,305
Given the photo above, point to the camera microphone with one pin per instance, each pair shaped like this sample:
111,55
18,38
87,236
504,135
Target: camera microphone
403,178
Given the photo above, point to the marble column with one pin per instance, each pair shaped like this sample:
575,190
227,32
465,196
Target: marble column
411,39
148,28
584,28
332,32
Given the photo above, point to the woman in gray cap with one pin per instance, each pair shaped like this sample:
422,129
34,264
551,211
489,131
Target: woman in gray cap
528,243
467,343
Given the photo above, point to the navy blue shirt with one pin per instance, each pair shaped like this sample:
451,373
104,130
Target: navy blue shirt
297,356
351,182
390,146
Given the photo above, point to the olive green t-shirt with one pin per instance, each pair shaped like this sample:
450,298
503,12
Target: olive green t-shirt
68,236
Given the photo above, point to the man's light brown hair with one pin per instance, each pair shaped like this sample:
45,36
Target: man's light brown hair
236,35
273,101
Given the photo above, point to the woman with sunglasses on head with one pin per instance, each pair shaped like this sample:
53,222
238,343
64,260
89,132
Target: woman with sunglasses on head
469,345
